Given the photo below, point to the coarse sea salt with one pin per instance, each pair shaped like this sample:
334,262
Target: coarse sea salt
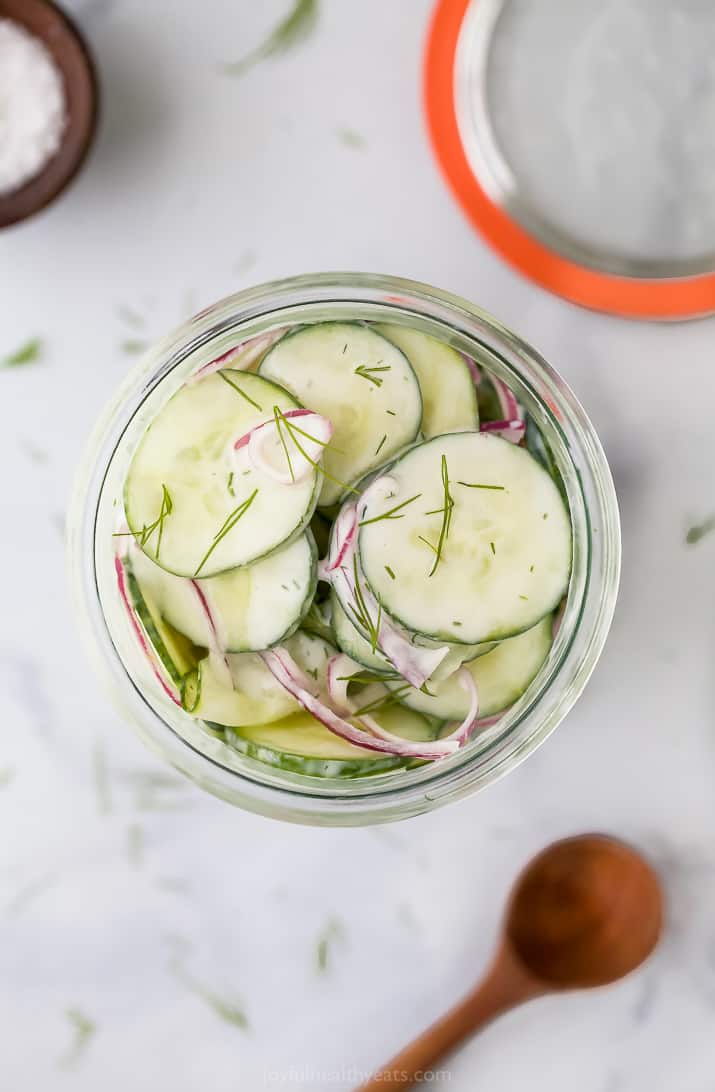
33,108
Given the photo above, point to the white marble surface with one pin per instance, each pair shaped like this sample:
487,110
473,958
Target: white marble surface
123,902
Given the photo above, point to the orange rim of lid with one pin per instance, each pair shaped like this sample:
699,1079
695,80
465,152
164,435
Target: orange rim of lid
629,297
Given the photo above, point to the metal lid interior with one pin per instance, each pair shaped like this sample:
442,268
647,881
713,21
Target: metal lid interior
590,127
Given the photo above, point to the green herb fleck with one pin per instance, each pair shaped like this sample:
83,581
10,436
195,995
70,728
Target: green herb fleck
84,1029
372,373
227,527
229,484
345,346
389,572
700,530
456,623
7,774
523,596
238,390
384,701
293,429
391,412
332,932
446,513
351,138
390,513
133,346
432,548
479,485
28,353
545,515
381,444
289,33
312,671
493,548
361,612
531,568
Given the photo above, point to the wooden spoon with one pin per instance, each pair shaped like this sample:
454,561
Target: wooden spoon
585,912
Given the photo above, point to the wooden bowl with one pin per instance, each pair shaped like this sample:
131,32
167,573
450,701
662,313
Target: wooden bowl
71,55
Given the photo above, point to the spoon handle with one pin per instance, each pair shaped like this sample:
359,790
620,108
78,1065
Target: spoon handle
506,984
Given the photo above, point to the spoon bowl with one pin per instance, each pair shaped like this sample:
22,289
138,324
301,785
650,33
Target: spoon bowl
585,912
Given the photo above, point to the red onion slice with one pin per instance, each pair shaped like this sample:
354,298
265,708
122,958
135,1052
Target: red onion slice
463,731
139,632
510,408
241,356
216,646
413,662
314,435
285,670
512,430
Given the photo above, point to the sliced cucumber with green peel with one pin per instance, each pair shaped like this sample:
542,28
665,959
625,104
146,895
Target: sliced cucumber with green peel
482,550
540,450
177,653
502,676
248,609
362,383
196,504
301,744
449,397
255,695
354,643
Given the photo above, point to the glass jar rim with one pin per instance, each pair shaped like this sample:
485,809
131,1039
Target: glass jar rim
594,511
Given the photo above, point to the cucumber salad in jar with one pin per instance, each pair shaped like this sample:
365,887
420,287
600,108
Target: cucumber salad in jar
343,548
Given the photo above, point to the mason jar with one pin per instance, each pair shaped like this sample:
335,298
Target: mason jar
184,742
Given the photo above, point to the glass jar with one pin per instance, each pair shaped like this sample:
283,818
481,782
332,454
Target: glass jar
184,742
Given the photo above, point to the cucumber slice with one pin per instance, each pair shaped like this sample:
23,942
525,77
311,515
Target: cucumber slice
318,621
540,450
506,561
488,399
253,607
186,483
256,697
176,652
449,397
354,643
362,383
301,744
501,676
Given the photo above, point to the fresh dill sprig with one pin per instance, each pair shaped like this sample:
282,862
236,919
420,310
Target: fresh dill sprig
371,373
432,548
290,32
361,612
228,525
446,512
26,354
383,701
278,418
478,485
167,507
237,389
381,444
229,484
390,513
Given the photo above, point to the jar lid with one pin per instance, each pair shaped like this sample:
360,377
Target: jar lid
580,140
